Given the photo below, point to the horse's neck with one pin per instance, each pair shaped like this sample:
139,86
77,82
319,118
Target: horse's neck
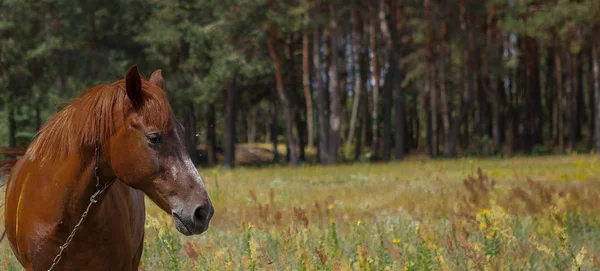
74,182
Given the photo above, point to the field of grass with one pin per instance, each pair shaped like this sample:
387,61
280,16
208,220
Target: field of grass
513,214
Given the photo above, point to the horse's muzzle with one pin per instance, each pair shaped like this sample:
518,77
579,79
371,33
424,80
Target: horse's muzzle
195,223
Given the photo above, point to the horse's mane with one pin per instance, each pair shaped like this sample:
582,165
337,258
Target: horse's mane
94,117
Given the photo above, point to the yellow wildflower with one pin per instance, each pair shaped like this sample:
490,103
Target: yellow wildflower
330,206
214,172
358,223
396,241
484,211
417,228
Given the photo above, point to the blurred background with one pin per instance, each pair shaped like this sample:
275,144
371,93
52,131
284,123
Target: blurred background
316,81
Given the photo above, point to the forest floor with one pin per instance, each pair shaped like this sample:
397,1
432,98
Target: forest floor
535,213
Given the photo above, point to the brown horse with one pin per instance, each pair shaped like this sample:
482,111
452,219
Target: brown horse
124,134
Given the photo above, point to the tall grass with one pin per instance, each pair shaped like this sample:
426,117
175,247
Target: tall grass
483,214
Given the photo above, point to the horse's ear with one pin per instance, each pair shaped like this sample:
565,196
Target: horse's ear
133,84
157,79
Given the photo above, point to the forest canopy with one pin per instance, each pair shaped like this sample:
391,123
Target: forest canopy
343,80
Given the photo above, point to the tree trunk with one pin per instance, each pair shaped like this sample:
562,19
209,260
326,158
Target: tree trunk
550,90
596,75
580,116
229,133
492,80
375,70
388,85
268,127
452,140
306,80
444,102
430,80
300,129
364,111
356,34
532,99
559,102
293,159
211,135
571,100
591,98
334,92
251,125
273,125
322,124
387,115
190,132
400,134
364,123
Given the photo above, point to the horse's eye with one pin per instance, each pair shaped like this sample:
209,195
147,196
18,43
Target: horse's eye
154,138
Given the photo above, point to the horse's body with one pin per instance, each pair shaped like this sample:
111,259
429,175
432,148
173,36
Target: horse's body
140,146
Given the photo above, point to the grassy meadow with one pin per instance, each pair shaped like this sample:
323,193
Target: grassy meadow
539,213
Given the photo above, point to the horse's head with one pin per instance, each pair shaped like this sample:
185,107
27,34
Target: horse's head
148,153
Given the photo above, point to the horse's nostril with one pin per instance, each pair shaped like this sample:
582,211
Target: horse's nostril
201,213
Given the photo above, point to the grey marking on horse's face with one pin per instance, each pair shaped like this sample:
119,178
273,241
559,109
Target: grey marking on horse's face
191,206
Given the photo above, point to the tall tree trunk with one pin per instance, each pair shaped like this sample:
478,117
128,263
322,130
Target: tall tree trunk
293,159
364,110
559,102
596,75
356,34
211,135
230,116
322,124
550,90
300,129
444,102
387,115
251,124
515,116
571,100
190,132
268,127
375,70
492,80
580,116
591,97
430,79
396,21
273,125
306,78
452,140
388,85
532,133
334,92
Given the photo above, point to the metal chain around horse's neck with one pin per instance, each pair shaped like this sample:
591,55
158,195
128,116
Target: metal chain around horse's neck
93,199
